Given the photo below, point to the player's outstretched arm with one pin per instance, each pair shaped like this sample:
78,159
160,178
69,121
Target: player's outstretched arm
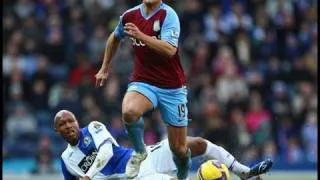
112,46
103,142
103,156
160,46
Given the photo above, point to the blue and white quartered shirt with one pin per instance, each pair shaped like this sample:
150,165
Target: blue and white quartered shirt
76,160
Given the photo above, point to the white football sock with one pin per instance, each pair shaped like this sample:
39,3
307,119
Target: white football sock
219,153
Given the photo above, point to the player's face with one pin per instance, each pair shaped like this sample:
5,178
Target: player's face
67,126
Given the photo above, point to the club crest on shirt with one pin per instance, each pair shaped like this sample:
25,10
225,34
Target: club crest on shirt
156,26
87,141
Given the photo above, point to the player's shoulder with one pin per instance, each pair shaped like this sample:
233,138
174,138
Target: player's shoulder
96,126
131,10
169,10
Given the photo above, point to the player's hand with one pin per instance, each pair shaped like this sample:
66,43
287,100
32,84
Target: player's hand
132,30
101,77
85,178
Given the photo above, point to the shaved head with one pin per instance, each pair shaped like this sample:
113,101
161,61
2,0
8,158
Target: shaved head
62,113
66,125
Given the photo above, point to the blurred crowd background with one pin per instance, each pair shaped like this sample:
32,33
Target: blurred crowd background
251,67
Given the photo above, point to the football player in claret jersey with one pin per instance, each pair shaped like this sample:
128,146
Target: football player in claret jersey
157,81
92,153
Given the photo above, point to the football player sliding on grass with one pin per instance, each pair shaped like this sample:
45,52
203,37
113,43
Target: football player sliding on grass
92,153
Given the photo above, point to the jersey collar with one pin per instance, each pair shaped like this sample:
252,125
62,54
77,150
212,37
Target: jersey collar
143,11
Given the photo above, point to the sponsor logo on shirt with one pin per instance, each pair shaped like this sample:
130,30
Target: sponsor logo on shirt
136,42
87,161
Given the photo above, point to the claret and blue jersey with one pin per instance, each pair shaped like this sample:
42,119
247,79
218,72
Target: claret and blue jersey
161,79
76,160
149,66
164,20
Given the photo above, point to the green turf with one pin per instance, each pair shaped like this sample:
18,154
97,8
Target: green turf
282,175
273,175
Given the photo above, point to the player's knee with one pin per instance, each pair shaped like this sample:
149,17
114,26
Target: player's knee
130,115
200,142
179,150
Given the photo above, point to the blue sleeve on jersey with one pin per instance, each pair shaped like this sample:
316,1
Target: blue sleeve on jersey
119,31
170,31
66,174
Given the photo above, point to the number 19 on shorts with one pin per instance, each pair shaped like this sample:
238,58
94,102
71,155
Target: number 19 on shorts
182,110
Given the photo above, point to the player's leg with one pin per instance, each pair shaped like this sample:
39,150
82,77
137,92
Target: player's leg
133,107
160,154
136,102
173,108
203,147
181,153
